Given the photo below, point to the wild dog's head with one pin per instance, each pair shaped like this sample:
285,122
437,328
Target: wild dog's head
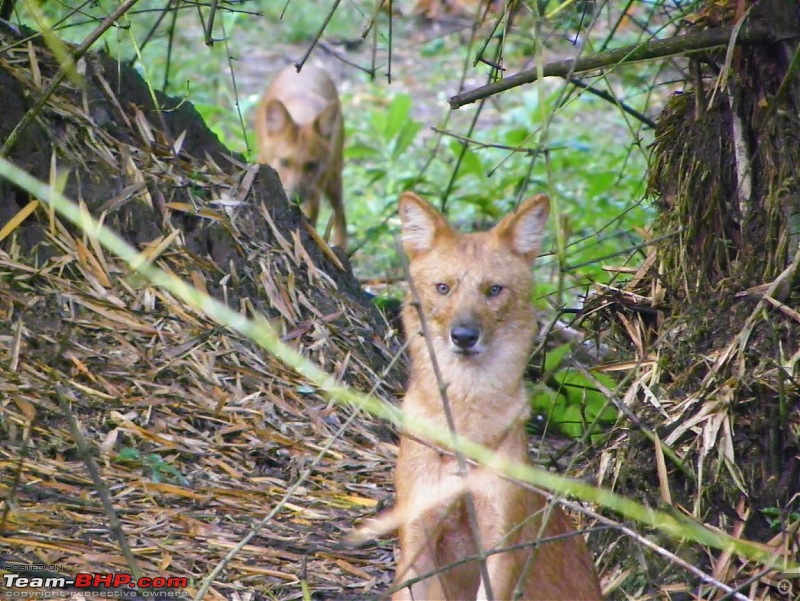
299,152
474,289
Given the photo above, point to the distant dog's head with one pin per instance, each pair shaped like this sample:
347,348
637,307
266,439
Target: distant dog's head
300,153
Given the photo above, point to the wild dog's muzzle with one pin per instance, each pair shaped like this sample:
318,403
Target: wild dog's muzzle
465,337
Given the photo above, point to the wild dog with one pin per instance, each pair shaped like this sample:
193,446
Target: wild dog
474,291
300,134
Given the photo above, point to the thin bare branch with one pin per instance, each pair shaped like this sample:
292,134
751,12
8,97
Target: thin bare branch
609,98
315,41
691,42
94,473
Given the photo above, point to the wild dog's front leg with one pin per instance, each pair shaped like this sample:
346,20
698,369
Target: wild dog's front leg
416,547
311,207
499,505
501,568
334,193
504,572
416,559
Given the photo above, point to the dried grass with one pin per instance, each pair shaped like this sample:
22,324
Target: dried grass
197,434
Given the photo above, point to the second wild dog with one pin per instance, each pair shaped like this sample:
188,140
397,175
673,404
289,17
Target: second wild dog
300,134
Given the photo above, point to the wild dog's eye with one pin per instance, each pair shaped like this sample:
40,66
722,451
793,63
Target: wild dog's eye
285,163
494,290
442,288
310,166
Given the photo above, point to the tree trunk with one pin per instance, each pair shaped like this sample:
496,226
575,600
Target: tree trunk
724,173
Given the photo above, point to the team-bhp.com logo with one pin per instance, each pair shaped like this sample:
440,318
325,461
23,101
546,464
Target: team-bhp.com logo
85,581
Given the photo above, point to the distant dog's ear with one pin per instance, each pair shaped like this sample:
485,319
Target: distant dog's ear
325,122
277,118
523,231
422,224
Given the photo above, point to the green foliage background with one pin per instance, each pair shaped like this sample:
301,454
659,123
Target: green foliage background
595,160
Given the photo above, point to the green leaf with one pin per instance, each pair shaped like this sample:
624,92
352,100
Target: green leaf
554,357
581,392
405,138
544,399
361,150
517,137
129,454
470,163
434,47
378,120
599,183
397,116
572,423
608,416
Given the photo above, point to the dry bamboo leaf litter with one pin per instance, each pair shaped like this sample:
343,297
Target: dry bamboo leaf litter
197,433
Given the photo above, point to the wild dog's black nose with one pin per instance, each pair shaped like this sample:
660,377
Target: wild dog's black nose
464,337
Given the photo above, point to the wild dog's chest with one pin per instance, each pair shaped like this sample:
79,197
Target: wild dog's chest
483,418
437,486
448,467
439,476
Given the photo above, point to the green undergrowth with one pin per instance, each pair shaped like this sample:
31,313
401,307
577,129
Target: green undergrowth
570,401
581,150
594,175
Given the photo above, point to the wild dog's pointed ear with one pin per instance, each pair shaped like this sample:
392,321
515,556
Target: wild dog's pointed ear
276,117
422,224
325,122
523,231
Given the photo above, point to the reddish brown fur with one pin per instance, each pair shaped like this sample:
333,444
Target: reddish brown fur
485,392
300,134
